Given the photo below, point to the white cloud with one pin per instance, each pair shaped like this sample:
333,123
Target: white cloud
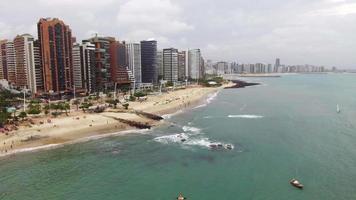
76,2
339,10
155,18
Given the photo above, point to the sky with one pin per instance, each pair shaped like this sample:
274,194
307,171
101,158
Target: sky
319,32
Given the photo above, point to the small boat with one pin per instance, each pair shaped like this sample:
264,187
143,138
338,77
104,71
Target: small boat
296,183
180,197
183,140
338,108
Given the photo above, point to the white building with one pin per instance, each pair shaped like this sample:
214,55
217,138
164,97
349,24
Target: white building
134,61
194,65
77,67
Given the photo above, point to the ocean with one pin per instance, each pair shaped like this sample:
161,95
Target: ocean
284,128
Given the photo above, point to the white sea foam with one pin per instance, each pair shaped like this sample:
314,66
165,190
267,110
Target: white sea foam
212,97
246,116
200,106
81,140
191,129
175,138
168,116
208,117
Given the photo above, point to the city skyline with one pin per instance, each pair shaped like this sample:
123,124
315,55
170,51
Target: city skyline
317,33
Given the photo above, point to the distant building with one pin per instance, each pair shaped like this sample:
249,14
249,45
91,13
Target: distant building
134,61
170,65
221,68
55,39
194,64
277,65
149,61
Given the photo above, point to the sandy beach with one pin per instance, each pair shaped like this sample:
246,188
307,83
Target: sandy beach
48,132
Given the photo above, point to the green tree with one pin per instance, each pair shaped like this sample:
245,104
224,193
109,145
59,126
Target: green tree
34,108
23,115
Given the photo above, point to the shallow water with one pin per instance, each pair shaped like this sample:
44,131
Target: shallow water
287,128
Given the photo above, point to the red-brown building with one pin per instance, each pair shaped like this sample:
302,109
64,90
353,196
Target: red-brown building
55,38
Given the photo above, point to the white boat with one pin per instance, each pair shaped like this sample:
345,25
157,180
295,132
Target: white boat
338,108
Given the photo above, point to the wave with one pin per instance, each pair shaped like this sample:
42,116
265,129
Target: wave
246,116
175,138
212,97
208,117
168,116
191,129
200,106
80,140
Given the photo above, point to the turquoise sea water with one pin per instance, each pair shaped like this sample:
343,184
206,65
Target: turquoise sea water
286,128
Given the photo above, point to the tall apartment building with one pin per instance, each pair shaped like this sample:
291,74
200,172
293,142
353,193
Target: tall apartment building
277,65
25,62
3,63
124,75
170,65
84,67
10,61
182,65
160,65
55,38
77,67
103,77
194,64
87,58
149,61
134,61
39,85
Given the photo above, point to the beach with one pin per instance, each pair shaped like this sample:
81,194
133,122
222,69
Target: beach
78,126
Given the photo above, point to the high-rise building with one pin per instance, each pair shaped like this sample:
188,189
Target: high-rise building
134,61
119,72
194,64
3,63
10,61
182,67
125,76
77,67
84,67
149,61
160,65
55,38
222,68
277,65
87,57
39,85
202,68
25,62
170,65
103,78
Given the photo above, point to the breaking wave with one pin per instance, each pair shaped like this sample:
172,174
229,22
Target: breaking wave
191,129
246,116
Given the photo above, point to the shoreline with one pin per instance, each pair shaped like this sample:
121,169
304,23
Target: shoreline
52,136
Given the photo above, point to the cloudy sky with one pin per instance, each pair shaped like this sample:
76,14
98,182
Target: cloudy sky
320,32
